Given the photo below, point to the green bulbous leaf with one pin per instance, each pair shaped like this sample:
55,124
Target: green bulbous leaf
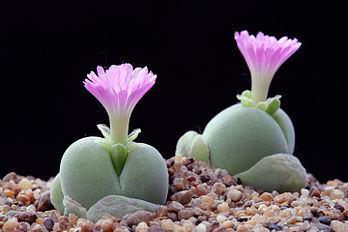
287,127
239,136
145,175
199,149
281,172
56,194
184,144
87,173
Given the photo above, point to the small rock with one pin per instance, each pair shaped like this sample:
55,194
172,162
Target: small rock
23,226
9,176
10,225
25,184
201,228
64,223
307,216
229,180
234,194
185,214
336,194
219,189
140,216
142,227
156,229
183,197
45,202
266,196
338,226
339,207
275,227
325,220
175,206
27,217
323,228
204,178
168,225
284,197
48,223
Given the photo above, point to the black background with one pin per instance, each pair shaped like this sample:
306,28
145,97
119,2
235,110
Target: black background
47,48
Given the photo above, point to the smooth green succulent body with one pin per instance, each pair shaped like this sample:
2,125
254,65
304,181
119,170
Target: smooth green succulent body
87,173
240,136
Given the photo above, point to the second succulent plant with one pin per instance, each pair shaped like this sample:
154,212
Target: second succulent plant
255,137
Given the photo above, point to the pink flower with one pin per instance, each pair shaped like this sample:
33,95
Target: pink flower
119,89
264,55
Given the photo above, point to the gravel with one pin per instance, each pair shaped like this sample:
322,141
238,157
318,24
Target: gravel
200,199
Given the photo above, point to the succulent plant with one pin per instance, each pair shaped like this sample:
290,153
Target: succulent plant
246,136
95,168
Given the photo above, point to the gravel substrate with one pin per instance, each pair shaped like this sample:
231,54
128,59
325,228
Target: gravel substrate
200,199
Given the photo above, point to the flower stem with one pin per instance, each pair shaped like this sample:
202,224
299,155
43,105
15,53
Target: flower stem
119,129
259,90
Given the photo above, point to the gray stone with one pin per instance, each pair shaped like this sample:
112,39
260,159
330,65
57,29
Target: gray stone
118,206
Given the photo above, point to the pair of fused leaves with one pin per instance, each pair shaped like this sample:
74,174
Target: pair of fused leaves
118,151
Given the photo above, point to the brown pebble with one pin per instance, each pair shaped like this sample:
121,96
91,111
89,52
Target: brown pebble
9,176
204,177
64,223
10,225
284,197
229,180
201,190
266,196
140,216
219,189
185,214
45,202
175,206
29,217
183,197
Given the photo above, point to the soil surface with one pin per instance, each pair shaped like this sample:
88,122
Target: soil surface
200,198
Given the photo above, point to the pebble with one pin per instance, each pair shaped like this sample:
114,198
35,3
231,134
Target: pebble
45,202
284,197
185,214
266,196
201,228
141,227
223,207
325,220
219,188
10,225
9,176
140,216
229,180
275,227
183,197
155,229
336,194
48,223
25,184
338,226
175,206
168,225
234,194
29,217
